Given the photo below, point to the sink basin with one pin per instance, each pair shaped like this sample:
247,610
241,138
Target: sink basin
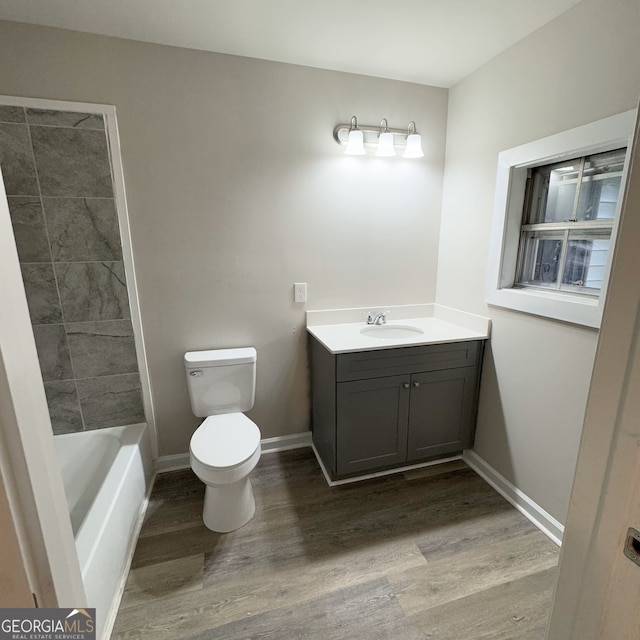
390,331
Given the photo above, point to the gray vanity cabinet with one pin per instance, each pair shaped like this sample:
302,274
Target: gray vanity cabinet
374,410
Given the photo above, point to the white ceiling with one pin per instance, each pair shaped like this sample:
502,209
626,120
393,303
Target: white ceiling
436,42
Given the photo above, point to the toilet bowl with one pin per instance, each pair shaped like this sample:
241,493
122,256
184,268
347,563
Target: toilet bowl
223,451
225,448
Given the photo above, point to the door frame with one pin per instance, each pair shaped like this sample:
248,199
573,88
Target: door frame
28,461
609,455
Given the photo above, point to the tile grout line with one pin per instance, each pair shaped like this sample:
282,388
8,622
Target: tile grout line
30,195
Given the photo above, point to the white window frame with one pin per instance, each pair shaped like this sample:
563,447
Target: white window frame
608,134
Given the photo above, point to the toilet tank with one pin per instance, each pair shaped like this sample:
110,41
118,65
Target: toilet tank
221,380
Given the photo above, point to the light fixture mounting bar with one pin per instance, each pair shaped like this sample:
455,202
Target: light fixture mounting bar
370,134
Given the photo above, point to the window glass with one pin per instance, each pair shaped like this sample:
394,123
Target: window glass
561,194
541,258
568,218
586,261
600,186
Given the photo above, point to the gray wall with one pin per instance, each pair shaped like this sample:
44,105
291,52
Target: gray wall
236,190
581,67
57,177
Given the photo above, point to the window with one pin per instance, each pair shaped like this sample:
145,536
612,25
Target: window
569,211
555,219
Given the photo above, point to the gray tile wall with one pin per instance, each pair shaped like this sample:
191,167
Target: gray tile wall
58,180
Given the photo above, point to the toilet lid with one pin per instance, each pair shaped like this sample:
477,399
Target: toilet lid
225,440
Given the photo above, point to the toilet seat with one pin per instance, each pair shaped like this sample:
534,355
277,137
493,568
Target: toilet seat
225,441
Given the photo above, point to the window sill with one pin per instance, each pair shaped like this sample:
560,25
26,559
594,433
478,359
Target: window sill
566,308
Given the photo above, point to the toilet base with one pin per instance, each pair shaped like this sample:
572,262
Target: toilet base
228,507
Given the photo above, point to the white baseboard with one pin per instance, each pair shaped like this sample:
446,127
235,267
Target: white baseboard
553,529
180,461
284,443
174,462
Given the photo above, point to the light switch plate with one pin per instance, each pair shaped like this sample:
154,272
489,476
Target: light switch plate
300,292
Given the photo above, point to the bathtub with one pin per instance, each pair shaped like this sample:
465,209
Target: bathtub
107,476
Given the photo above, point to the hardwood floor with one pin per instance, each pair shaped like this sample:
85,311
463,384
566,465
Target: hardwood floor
431,554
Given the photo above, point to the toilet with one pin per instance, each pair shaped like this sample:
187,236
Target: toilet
225,448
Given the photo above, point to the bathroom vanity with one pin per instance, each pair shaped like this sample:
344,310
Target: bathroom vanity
394,396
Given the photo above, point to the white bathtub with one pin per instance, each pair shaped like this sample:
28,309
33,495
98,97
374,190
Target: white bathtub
107,475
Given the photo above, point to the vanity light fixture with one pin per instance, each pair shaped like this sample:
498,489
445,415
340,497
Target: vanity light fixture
355,140
386,139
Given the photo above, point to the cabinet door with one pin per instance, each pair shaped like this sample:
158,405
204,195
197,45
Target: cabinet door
442,412
372,417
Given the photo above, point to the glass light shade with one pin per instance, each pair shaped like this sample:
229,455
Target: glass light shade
414,146
385,145
355,143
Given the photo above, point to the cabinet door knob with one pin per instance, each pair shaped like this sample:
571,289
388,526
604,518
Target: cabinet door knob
416,384
406,385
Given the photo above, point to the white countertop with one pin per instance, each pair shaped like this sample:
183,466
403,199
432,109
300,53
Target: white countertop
340,332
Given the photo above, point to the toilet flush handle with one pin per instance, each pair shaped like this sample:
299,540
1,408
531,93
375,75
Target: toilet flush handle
196,373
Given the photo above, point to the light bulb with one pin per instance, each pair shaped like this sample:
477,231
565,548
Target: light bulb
414,146
355,143
385,145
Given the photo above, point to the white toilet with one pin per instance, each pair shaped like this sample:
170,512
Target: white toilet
225,448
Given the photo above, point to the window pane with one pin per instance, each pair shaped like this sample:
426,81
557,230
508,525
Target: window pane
541,259
586,261
553,192
600,187
561,197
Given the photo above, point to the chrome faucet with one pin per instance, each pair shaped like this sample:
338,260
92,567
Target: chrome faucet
378,318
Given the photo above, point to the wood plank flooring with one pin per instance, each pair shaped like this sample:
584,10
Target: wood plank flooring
431,554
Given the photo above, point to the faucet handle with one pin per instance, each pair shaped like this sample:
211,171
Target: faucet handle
370,316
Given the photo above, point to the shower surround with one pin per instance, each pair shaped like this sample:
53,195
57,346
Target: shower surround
58,180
